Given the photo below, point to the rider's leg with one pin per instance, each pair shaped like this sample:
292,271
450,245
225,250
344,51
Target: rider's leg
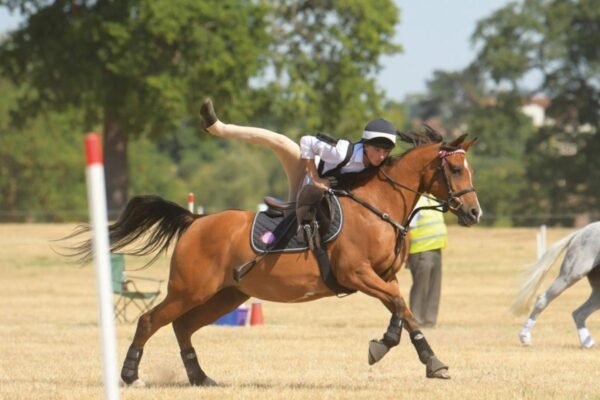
285,148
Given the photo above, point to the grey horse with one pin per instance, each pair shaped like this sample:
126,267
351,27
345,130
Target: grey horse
581,259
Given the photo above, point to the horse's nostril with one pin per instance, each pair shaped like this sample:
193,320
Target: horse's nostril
474,212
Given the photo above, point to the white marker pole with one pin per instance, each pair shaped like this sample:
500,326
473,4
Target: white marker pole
98,218
543,233
191,202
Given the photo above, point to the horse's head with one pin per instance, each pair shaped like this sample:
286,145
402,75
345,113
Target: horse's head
449,178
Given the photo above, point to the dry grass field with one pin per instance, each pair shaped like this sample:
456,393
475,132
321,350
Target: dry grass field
49,343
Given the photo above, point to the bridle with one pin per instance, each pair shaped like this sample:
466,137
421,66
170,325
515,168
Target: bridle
453,202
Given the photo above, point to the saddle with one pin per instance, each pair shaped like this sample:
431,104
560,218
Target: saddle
275,230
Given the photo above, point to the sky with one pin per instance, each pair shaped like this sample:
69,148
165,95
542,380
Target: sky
434,34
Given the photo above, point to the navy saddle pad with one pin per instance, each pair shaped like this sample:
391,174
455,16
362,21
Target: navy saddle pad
278,234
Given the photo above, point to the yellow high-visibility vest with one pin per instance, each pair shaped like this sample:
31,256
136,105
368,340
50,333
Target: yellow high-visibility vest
427,229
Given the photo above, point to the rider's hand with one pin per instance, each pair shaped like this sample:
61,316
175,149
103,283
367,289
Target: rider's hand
321,183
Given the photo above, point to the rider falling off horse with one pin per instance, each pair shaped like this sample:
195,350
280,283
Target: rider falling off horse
307,179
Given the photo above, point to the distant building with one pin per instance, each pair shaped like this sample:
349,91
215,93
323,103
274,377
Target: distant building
535,108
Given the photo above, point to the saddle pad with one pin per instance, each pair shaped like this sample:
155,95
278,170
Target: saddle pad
278,234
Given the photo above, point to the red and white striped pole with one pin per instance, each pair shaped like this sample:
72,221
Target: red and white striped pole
191,202
98,218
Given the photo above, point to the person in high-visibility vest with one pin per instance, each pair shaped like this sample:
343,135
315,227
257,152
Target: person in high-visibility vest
428,236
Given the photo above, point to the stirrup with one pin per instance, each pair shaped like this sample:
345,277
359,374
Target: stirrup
311,235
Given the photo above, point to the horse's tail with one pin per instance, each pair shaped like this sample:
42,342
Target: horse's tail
537,272
152,218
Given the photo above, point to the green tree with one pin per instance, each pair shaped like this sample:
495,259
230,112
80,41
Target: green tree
42,168
499,158
325,62
141,68
558,41
462,102
136,66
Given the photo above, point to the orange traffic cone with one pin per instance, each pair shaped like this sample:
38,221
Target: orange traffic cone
256,316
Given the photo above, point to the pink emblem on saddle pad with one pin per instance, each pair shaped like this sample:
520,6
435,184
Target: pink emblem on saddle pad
267,237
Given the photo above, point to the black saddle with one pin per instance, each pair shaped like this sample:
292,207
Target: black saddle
274,230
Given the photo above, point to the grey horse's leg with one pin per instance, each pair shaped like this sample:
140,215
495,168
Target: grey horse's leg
583,312
577,264
556,288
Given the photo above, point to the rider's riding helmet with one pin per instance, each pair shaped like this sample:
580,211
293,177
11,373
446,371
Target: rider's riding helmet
380,133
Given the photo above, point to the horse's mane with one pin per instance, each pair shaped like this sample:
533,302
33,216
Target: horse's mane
417,139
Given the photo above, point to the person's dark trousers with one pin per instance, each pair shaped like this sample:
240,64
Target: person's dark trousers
426,271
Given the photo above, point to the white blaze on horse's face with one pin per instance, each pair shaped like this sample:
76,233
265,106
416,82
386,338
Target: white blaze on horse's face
470,175
463,200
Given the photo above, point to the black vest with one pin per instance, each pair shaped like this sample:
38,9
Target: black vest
335,171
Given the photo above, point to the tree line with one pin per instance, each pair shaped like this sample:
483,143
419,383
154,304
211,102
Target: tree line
138,70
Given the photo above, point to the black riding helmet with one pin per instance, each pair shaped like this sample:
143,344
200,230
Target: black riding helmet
379,133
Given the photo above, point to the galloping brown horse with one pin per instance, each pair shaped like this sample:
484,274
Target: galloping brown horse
364,257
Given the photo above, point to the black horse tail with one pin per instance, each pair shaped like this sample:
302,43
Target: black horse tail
151,219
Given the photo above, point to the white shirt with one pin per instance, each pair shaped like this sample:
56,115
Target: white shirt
311,148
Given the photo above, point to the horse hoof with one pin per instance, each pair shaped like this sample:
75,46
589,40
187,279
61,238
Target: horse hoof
207,382
138,383
525,338
436,369
440,374
377,349
588,343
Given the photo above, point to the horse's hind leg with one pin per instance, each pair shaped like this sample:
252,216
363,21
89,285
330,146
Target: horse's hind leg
583,312
148,324
556,288
220,304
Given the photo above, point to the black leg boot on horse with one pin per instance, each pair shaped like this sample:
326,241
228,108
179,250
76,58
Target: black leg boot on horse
129,372
196,375
434,367
379,348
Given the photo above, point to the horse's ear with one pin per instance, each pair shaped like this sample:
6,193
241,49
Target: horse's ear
468,143
456,142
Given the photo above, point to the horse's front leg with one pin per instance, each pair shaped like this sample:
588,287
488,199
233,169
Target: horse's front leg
434,368
389,294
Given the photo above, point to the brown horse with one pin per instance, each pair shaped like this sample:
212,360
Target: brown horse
364,257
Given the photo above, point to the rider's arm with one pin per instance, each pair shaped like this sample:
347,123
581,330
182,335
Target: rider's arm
310,147
311,170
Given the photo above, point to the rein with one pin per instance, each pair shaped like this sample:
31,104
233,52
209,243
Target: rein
453,202
400,229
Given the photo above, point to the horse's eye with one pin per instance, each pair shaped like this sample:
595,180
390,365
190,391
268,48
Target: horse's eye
455,170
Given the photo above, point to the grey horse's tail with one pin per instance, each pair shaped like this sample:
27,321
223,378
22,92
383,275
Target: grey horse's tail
537,272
